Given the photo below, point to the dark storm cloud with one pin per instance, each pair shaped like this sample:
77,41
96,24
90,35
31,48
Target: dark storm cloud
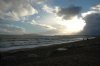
92,24
69,12
92,20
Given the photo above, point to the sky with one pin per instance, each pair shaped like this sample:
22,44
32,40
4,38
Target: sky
50,17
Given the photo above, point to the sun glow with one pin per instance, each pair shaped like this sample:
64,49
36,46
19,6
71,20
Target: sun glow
74,25
66,27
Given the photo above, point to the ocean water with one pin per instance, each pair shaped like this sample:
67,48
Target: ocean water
18,42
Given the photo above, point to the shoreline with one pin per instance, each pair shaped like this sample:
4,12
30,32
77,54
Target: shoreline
46,55
30,47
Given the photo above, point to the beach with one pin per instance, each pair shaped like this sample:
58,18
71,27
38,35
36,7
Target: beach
79,53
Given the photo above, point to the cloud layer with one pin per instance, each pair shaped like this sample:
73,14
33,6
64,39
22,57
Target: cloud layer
41,17
16,9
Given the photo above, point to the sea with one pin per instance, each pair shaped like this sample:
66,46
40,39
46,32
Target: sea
14,42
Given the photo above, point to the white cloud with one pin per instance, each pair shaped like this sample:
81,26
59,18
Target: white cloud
88,13
48,9
94,9
97,7
37,1
11,29
16,9
48,27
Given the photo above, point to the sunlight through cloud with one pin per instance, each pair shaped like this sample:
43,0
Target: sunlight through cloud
72,26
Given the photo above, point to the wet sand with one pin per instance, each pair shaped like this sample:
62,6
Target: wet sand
80,53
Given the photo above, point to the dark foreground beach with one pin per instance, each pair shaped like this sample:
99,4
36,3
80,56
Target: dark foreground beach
81,53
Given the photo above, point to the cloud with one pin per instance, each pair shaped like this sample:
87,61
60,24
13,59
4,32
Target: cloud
94,9
38,1
50,10
16,9
92,19
47,9
92,24
52,32
60,30
47,27
68,13
53,29
11,29
63,27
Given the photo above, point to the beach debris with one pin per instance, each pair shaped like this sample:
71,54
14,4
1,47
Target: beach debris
58,52
61,49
